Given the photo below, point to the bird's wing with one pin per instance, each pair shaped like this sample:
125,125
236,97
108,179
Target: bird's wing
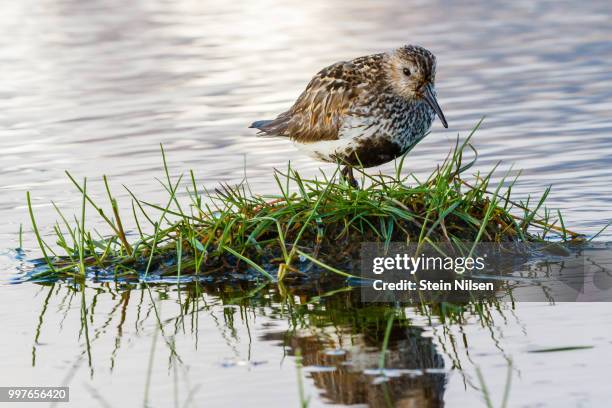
319,112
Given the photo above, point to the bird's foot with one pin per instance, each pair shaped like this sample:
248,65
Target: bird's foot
353,182
347,175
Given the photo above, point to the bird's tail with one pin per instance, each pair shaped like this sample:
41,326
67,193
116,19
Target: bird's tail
259,124
275,127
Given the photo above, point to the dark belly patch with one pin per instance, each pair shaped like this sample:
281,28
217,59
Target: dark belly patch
371,152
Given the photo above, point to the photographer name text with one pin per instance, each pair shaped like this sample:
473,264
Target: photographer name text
424,284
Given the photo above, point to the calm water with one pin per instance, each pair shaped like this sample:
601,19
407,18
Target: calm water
94,87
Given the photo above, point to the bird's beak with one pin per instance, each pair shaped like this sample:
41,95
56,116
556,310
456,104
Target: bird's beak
430,98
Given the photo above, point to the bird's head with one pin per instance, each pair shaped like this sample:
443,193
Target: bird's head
411,71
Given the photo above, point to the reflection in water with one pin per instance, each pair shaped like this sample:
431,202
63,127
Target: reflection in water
353,352
339,338
343,357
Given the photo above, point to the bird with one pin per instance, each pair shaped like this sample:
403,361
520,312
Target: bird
364,112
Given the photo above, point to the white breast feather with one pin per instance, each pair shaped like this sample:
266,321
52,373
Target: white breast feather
353,129
325,150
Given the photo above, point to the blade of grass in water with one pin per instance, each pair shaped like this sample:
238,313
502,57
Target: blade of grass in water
20,236
325,266
484,389
385,344
250,262
82,230
304,402
37,234
115,207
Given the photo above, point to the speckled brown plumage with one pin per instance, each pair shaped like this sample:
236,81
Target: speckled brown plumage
366,111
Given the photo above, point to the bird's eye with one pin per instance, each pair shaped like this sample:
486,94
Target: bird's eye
407,72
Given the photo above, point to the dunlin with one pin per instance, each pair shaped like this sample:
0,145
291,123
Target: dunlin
363,112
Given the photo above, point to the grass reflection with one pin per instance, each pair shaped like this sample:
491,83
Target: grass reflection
352,352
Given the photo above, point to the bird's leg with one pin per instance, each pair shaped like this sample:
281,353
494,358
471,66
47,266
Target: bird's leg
347,175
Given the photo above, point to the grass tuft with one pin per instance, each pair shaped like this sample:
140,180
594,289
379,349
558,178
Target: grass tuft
312,224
